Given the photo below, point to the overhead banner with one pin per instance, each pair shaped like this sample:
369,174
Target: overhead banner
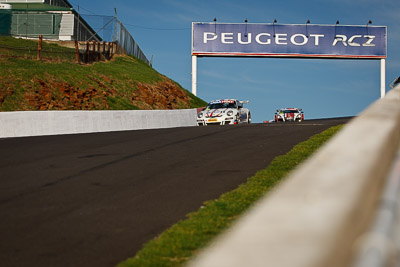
284,40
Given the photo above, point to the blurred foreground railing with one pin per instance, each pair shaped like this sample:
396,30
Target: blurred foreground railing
381,246
326,212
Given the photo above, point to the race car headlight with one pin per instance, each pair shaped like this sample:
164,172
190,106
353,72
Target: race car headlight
229,113
200,115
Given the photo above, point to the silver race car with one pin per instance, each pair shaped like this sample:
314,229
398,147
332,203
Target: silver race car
224,111
289,114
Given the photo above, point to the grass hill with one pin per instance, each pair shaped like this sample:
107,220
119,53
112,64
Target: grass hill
57,83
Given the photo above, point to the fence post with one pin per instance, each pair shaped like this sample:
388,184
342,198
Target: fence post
98,51
77,51
94,51
87,52
39,57
104,50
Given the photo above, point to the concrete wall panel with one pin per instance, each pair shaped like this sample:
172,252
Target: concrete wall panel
34,123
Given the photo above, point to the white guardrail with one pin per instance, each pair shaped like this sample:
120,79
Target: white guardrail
34,123
332,210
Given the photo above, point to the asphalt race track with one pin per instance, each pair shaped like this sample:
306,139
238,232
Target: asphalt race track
95,199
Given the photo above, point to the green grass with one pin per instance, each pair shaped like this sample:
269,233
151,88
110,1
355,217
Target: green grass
182,241
118,103
122,73
27,49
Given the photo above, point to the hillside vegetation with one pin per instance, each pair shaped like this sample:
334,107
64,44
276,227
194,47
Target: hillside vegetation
57,83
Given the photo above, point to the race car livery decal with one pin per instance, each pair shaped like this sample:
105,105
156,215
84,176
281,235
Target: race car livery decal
215,112
222,101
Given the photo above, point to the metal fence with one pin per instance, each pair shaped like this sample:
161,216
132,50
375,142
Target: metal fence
126,42
111,29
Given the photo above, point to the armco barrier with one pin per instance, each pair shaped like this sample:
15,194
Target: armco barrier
34,123
321,214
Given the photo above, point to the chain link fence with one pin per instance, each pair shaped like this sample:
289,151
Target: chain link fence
126,42
111,29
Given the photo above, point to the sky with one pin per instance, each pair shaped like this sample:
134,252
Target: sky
323,88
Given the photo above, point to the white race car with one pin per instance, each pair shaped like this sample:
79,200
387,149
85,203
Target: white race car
289,114
224,111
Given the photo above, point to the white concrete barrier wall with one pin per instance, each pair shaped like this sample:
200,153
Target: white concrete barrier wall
34,123
321,213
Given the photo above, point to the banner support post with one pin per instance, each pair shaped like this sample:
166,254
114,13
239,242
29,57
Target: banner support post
194,75
383,77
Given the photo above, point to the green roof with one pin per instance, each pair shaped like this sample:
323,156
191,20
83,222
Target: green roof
37,7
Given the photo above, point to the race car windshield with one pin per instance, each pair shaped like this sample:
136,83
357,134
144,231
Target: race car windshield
291,111
221,105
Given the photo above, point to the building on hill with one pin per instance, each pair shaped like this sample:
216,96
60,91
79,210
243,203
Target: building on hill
53,19
5,19
60,3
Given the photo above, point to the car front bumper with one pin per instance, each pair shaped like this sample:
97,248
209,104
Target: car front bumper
216,121
282,118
